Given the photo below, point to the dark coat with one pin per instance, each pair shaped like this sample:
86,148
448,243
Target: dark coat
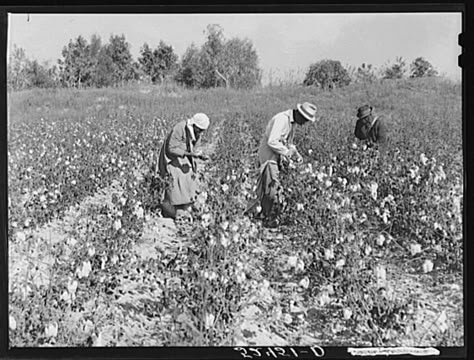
377,133
182,168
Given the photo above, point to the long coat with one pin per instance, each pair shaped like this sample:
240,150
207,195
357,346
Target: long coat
181,168
377,133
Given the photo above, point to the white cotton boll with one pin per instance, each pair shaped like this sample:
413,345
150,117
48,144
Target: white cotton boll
20,236
99,341
329,254
86,269
139,212
236,237
300,265
304,283
212,276
324,298
71,242
117,224
224,225
91,251
423,159
241,277
51,330
114,259
209,321
373,190
292,261
442,322
88,326
11,322
72,286
212,240
347,314
287,319
363,218
224,241
340,263
380,240
65,296
276,313
427,266
368,250
381,275
415,249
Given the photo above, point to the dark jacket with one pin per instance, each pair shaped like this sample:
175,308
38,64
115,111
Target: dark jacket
175,145
377,133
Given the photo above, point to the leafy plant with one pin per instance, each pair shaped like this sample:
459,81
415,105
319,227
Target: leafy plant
327,74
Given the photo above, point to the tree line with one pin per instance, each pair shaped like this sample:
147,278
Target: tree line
329,74
219,62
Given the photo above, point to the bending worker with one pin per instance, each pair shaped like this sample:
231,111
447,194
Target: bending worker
177,160
277,146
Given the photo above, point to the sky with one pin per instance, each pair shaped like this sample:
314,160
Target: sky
286,44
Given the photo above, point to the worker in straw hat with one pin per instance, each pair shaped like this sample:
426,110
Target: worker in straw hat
177,160
276,147
369,127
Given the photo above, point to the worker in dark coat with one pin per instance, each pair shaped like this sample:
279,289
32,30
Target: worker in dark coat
177,160
370,127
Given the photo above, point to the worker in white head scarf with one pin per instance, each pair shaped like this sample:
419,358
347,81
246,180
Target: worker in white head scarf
177,160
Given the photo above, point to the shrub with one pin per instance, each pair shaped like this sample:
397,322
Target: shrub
327,74
421,68
395,71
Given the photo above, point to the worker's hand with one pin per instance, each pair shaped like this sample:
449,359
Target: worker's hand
285,160
294,154
203,157
200,155
292,150
299,158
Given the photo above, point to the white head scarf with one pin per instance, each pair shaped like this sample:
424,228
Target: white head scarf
201,120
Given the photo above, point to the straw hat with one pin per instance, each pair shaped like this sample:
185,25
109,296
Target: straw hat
308,110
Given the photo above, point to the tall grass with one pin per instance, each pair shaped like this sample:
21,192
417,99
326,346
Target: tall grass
412,106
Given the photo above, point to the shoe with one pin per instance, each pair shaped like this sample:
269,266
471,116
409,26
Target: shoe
259,216
271,224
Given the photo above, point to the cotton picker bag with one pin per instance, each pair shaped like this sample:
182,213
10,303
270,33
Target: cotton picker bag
161,170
